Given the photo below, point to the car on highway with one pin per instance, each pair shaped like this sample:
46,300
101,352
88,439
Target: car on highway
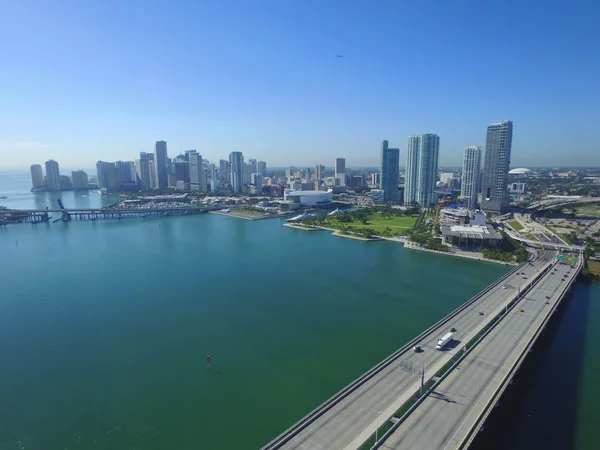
547,297
453,329
417,349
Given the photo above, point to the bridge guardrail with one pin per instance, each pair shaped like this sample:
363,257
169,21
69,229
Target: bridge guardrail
451,368
296,428
510,375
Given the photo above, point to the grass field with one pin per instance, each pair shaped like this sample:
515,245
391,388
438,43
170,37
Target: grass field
588,211
594,267
530,236
377,222
516,225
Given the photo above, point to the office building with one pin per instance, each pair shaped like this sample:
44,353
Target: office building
225,171
152,172
340,171
79,179
52,176
375,179
261,167
517,188
65,183
236,159
358,181
390,167
247,174
421,169
319,172
161,165
197,172
37,177
498,145
470,175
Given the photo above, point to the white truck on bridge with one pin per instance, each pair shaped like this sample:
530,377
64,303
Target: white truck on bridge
441,343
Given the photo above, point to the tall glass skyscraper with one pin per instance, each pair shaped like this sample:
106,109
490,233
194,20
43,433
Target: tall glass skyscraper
498,144
470,175
390,161
421,169
236,159
161,164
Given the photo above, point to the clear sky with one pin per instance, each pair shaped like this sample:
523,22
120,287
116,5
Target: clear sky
87,80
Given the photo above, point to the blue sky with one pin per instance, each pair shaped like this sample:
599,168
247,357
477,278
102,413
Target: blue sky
88,80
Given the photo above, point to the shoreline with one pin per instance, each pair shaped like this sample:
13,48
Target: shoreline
403,241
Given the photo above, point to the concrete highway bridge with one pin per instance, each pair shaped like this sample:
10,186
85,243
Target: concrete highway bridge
43,215
459,385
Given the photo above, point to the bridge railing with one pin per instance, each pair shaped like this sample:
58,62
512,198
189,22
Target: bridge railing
312,416
472,434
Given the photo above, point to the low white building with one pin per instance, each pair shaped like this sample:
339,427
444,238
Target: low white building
309,198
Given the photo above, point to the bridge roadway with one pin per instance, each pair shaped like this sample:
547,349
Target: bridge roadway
448,417
354,416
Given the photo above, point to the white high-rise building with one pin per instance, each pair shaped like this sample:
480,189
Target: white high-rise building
498,144
79,179
37,176
52,175
257,180
421,169
236,159
470,175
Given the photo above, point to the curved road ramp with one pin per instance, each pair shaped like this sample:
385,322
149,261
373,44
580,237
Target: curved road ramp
378,399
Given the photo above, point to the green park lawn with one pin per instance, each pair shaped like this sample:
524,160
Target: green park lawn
588,211
516,225
378,223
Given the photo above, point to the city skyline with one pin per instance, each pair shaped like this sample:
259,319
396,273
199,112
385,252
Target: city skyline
276,79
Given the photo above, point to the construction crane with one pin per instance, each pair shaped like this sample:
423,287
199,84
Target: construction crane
440,203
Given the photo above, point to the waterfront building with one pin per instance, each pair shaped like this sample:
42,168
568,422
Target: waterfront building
127,171
247,173
236,159
390,167
37,176
498,146
470,175
65,183
143,171
161,164
421,169
340,171
52,175
79,179
471,237
309,198
261,167
102,169
152,172
377,196
113,178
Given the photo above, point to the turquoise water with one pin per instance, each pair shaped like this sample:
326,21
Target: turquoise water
105,326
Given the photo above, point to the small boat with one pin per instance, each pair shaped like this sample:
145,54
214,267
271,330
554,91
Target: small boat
334,212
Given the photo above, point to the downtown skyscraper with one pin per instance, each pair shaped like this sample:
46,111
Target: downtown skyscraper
161,165
236,159
52,175
390,162
470,175
421,169
498,145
